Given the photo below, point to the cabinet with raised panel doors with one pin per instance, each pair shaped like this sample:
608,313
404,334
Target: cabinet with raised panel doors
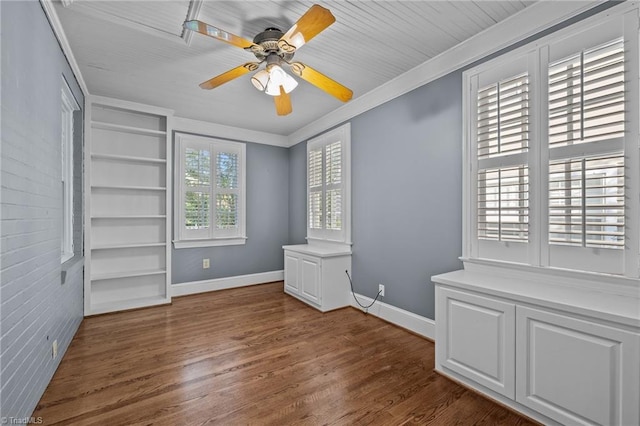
316,275
557,354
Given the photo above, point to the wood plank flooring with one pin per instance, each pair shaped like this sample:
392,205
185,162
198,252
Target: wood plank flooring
254,355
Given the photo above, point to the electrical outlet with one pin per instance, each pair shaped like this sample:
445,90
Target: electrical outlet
54,349
205,264
381,289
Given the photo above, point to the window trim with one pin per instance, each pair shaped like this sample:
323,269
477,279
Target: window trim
342,134
537,250
68,106
182,141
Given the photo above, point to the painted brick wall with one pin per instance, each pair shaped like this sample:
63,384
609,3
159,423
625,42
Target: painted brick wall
35,307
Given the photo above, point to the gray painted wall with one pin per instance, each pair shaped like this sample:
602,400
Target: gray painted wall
298,194
407,212
35,308
267,224
406,204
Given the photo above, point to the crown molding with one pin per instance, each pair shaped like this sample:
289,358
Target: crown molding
530,21
188,125
136,106
54,21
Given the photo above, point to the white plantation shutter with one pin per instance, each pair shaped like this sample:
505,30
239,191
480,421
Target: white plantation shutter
315,210
314,178
328,186
586,202
503,204
226,190
587,107
502,117
587,96
333,163
324,167
333,182
197,188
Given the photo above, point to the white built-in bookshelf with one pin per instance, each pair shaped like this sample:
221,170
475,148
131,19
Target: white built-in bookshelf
128,206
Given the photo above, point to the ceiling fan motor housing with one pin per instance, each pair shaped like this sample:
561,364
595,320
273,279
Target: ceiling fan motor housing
268,41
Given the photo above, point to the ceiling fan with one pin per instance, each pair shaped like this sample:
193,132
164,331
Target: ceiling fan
277,48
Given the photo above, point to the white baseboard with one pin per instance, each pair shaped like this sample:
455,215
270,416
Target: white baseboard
194,287
418,324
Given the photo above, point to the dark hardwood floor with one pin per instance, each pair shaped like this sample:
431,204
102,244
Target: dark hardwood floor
254,356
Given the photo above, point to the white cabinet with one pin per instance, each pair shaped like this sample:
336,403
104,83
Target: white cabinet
480,336
311,275
316,275
576,371
291,282
128,206
558,354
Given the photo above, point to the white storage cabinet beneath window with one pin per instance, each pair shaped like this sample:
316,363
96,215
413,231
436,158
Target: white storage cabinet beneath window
316,275
480,337
558,353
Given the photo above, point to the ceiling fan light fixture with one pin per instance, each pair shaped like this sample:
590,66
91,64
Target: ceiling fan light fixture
298,40
278,77
260,80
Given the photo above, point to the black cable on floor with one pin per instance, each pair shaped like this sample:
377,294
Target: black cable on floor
366,308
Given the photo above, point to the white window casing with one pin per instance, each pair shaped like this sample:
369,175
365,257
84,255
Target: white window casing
68,106
210,188
565,157
329,187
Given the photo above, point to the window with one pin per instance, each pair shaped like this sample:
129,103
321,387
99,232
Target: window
69,105
210,192
328,186
552,134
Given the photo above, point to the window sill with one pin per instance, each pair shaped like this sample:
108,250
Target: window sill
66,257
540,289
236,241
592,281
70,267
328,242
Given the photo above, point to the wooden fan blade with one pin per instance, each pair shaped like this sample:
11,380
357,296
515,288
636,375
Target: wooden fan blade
316,19
211,31
229,75
321,81
283,102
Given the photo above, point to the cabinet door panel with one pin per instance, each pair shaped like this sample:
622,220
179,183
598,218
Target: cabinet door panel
291,283
311,279
475,338
571,370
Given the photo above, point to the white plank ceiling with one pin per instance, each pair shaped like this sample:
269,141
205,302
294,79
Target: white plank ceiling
135,51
